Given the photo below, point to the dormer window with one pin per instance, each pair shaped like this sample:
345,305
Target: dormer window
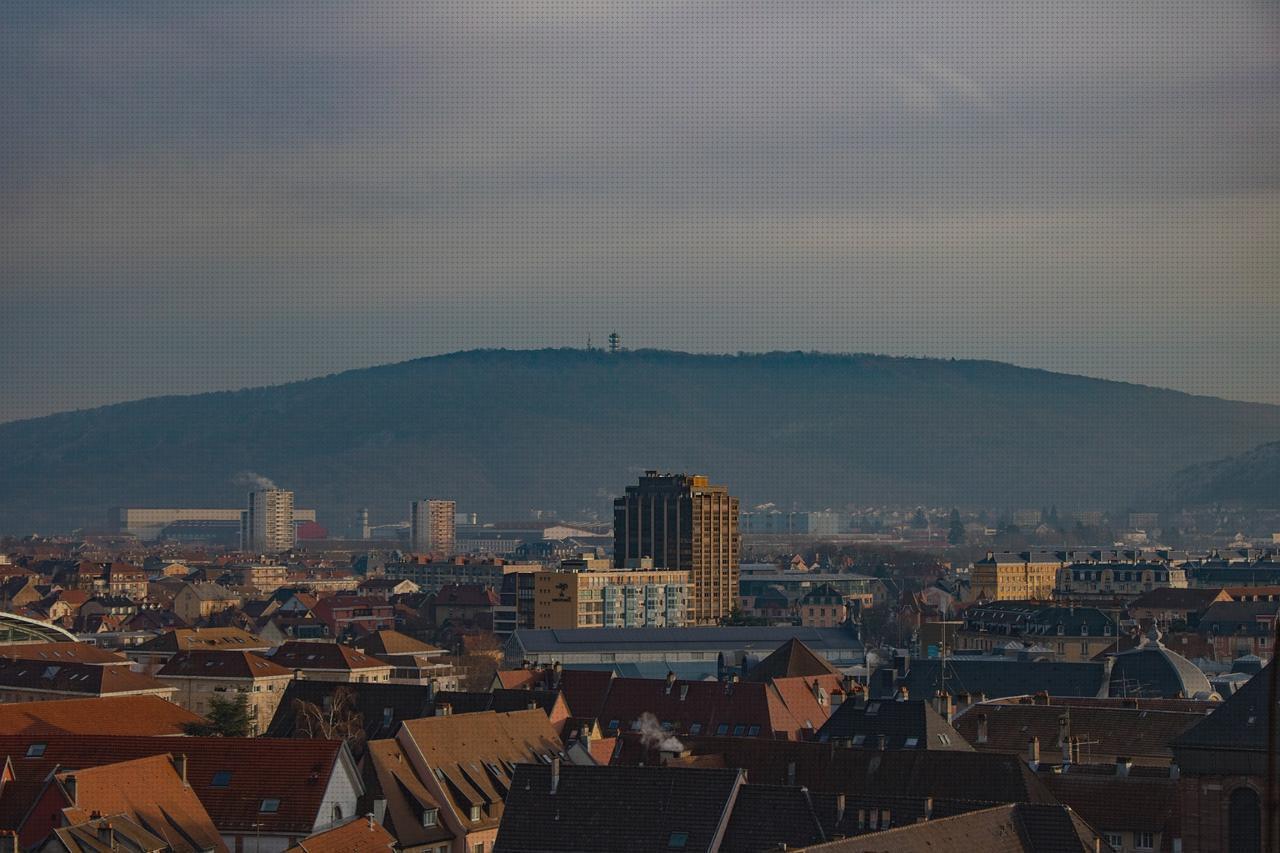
430,817
475,814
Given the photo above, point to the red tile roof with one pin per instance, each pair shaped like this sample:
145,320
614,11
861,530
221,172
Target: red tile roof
109,715
294,771
186,639
221,664
299,654
360,835
63,652
784,707
82,678
148,790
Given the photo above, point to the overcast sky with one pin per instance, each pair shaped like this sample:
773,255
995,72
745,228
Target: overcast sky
213,195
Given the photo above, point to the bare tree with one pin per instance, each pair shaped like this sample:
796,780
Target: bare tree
335,720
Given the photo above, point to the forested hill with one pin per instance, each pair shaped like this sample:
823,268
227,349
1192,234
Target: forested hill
505,431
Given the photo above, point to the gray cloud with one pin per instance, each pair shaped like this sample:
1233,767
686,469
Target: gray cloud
242,193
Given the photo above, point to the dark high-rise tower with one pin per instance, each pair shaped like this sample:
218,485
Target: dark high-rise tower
684,523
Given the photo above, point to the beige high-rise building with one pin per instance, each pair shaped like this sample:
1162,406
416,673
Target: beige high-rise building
267,525
683,523
433,527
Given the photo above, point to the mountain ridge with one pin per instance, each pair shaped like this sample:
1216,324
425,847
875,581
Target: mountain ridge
505,431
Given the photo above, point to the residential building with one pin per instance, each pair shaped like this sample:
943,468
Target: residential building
347,615
883,725
201,676
415,662
151,793
516,597
991,676
1013,577
386,588
65,652
126,581
1166,605
197,602
955,780
30,681
432,529
156,652
259,578
268,521
1133,809
611,599
441,782
683,523
1100,731
859,591
464,605
330,662
714,810
824,607
1107,582
432,576
262,794
1066,632
781,708
1238,628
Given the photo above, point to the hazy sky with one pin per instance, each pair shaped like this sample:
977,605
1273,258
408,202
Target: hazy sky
211,195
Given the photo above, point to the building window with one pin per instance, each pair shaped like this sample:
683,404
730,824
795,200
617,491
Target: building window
695,729
677,840
475,814
36,750
337,812
430,817
269,806
1115,840
722,729
1144,841
221,779
478,848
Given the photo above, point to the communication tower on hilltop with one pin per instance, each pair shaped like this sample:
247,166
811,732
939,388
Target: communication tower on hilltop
615,342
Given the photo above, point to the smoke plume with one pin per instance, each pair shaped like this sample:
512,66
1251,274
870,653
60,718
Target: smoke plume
653,736
254,480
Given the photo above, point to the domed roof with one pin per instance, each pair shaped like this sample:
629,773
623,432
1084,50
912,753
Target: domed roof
1151,670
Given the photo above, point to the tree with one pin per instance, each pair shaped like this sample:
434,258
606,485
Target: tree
955,535
337,719
918,520
226,718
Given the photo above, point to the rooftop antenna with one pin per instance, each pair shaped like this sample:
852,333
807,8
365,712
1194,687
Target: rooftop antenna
615,342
